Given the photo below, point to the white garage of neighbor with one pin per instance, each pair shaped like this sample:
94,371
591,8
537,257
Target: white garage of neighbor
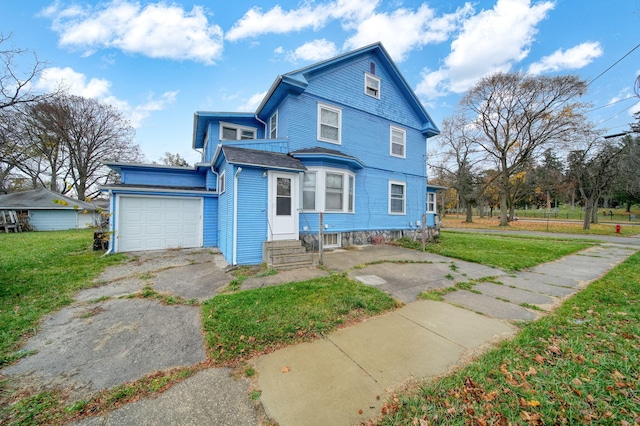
158,223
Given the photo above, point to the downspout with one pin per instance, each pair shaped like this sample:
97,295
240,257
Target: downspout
235,215
266,130
112,234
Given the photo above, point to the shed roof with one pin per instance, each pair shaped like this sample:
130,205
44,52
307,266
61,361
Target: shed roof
41,199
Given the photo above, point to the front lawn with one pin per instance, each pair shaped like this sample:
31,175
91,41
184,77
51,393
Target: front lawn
240,325
576,366
510,253
39,273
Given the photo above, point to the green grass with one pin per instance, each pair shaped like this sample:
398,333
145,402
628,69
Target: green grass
575,366
39,273
509,253
52,407
238,326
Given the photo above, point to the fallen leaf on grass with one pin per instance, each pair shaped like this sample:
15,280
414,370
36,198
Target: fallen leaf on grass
285,369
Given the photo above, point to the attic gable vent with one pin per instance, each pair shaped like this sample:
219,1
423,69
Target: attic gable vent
372,68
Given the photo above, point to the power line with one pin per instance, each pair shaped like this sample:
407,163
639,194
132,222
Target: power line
612,103
614,64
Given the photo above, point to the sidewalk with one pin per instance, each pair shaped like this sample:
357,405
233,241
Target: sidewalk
345,378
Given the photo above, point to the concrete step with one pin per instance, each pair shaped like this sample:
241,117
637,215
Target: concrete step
291,258
279,251
283,243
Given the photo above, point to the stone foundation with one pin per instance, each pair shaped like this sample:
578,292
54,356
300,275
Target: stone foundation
358,238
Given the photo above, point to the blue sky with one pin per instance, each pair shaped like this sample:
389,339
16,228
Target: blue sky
159,62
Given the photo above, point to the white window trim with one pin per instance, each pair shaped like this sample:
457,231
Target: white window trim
322,106
321,187
366,86
338,243
239,128
315,192
222,183
404,141
271,126
431,202
404,198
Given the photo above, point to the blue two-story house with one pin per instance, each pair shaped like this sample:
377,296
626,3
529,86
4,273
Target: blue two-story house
339,146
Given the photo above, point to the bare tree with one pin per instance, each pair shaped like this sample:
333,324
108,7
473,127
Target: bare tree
15,84
174,160
460,156
592,168
86,133
16,93
628,186
519,115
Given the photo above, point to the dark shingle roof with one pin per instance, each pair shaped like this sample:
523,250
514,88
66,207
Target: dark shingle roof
319,151
253,157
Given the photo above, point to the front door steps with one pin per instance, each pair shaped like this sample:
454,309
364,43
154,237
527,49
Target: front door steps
286,254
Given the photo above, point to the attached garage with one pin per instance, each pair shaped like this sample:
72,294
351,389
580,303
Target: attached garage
158,222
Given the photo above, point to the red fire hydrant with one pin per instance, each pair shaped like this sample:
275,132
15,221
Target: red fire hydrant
617,229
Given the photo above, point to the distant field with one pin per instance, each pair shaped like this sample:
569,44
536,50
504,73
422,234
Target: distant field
541,225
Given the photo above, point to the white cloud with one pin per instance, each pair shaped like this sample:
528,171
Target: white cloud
400,31
574,58
75,83
316,50
252,103
156,30
309,16
493,40
405,29
277,21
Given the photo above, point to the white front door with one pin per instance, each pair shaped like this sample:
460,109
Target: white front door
283,206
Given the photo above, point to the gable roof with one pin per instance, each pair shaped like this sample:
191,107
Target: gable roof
253,157
297,81
42,199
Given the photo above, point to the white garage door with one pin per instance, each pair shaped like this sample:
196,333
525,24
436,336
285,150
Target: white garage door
156,223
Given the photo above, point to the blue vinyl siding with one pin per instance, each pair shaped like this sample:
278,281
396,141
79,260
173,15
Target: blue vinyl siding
210,222
53,220
163,177
372,205
252,215
345,86
225,214
363,136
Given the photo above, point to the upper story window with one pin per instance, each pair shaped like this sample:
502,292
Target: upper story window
234,132
431,202
372,85
273,126
397,196
328,190
398,142
329,124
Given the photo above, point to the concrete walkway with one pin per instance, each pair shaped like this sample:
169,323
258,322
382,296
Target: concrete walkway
105,339
345,378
